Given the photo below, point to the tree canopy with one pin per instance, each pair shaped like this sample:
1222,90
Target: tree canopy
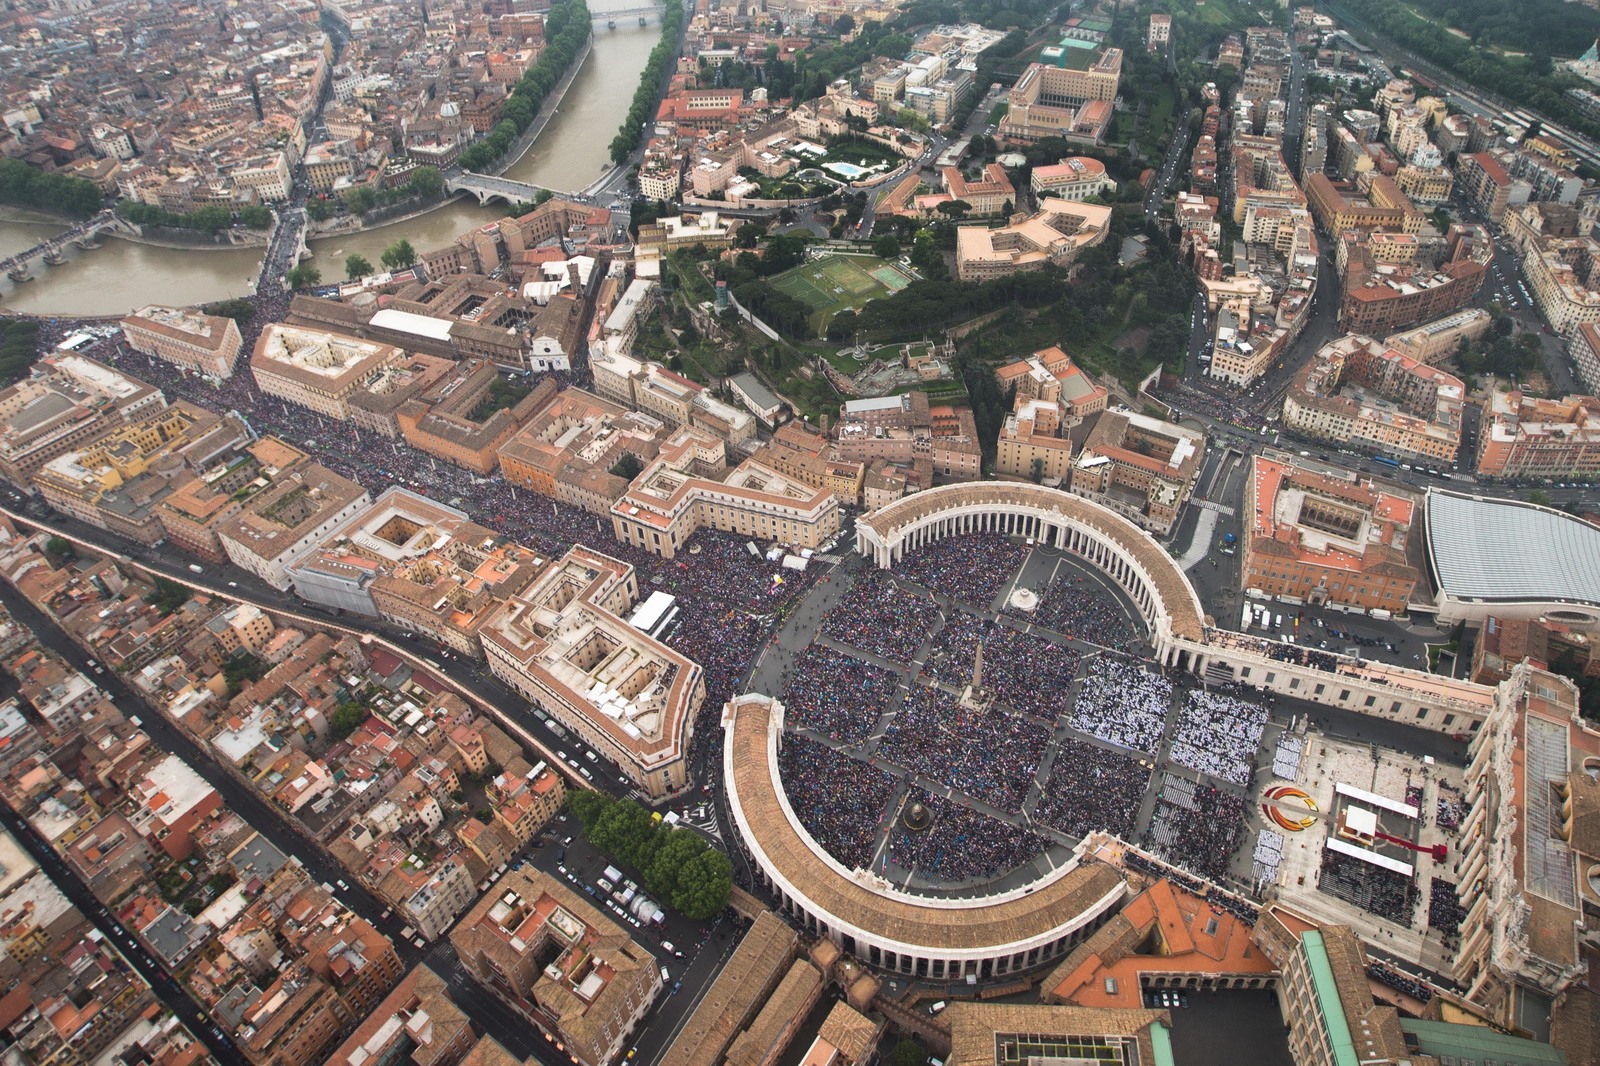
675,865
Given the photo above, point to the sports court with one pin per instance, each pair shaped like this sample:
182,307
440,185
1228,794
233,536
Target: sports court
835,283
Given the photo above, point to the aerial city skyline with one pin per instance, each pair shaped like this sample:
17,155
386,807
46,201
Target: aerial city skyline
804,532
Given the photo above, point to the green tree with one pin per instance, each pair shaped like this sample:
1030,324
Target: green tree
60,548
886,246
255,216
318,210
954,208
704,885
909,1053
844,24
1540,497
360,199
303,277
399,255
347,718
427,181
587,807
356,266
747,235
238,309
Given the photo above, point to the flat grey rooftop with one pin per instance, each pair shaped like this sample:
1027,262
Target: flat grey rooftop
1508,551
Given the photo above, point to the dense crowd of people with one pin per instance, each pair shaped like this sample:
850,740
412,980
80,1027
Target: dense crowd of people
1444,907
990,755
1090,788
971,568
1122,703
961,844
1023,672
1218,735
1081,608
880,616
817,779
837,695
1197,826
1383,973
1386,893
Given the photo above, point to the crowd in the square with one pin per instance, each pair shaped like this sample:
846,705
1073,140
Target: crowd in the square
880,616
1077,605
1218,735
840,801
990,755
1386,893
961,844
1444,907
1024,672
1090,788
837,695
972,568
1197,826
1122,703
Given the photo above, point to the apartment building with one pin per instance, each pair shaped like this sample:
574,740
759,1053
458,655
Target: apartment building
1522,436
563,645
376,407
1380,298
568,450
1054,235
1381,205
66,401
1031,443
1356,392
1564,277
462,426
1435,342
419,564
1319,539
990,194
666,505
282,523
317,369
1072,99
418,1020
206,344
1141,467
1076,178
193,513
560,963
1484,182
117,481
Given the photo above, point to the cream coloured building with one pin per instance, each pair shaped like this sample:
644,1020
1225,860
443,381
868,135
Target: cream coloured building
563,645
1055,234
666,504
317,368
206,344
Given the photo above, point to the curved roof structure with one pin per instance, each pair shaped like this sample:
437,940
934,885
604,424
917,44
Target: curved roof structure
976,927
1506,551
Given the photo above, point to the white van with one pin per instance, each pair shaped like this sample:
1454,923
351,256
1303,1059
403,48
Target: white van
937,1007
1277,621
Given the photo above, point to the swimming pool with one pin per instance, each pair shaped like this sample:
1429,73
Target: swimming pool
847,171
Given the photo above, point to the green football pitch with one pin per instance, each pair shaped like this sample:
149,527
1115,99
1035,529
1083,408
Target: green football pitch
837,283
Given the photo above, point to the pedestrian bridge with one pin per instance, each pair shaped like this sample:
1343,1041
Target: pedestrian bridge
487,187
82,235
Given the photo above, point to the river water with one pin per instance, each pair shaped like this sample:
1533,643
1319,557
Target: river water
121,276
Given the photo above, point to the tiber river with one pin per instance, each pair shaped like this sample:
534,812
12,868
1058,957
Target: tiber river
121,276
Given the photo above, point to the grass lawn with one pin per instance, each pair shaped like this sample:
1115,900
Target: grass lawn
837,283
998,112
1161,110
